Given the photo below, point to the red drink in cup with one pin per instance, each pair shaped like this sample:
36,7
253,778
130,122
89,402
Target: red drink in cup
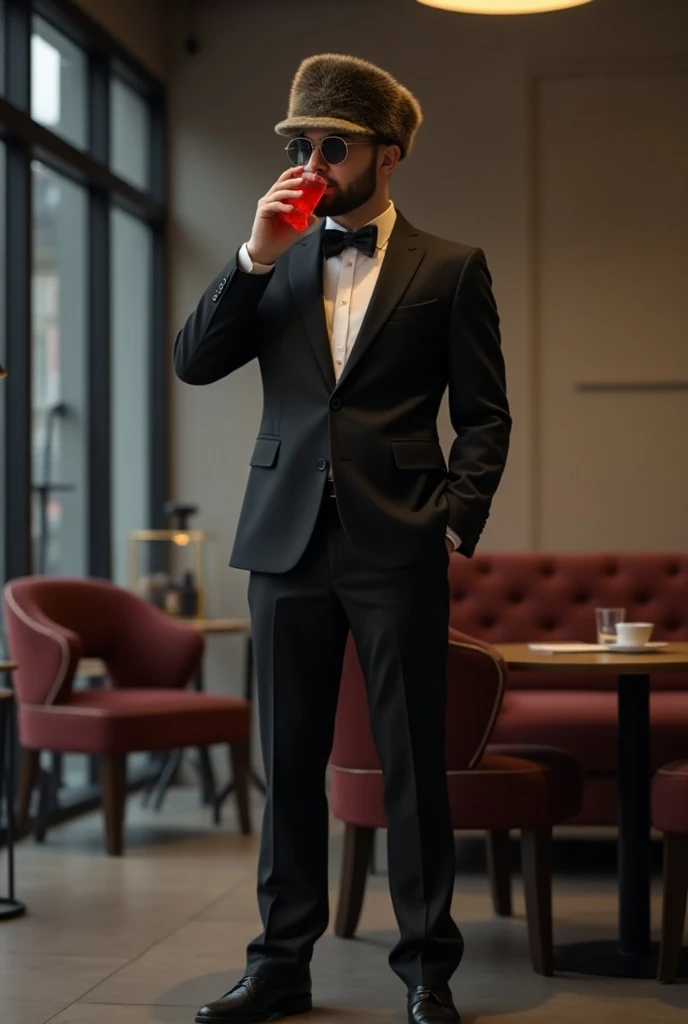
313,188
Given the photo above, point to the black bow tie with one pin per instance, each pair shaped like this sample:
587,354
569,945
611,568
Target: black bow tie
365,240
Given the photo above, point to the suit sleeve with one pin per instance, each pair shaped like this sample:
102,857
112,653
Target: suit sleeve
219,336
478,403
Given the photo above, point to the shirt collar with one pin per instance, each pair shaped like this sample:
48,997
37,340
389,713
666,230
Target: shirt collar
384,224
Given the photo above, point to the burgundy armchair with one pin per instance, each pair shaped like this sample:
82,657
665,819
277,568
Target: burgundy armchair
491,789
149,658
670,815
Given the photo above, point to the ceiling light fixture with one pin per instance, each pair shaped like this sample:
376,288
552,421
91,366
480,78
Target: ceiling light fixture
504,6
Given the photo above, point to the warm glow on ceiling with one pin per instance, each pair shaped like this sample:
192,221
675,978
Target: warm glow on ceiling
504,6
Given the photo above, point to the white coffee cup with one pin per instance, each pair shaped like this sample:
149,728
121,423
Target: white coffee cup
633,634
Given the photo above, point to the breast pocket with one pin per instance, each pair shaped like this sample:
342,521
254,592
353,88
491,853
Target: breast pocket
416,310
265,452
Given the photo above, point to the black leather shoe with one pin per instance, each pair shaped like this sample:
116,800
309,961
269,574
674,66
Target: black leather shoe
431,1006
257,999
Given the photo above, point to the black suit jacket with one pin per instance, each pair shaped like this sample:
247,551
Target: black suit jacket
432,323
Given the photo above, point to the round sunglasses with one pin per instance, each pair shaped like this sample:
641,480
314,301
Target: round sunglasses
332,149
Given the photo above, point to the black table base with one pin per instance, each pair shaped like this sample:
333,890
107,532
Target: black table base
633,955
605,960
11,908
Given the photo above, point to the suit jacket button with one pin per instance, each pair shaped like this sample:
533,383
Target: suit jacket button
322,465
336,403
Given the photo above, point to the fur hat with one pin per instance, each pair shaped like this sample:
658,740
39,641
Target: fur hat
345,94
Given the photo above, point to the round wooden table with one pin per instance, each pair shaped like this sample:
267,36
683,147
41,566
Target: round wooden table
633,955
9,906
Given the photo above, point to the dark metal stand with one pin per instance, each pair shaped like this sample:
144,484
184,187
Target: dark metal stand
9,906
633,955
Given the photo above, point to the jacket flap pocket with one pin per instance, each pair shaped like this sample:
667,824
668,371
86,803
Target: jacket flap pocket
265,452
415,454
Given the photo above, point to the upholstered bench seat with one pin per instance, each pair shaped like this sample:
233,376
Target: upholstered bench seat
585,724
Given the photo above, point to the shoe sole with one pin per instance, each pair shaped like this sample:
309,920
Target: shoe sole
291,1008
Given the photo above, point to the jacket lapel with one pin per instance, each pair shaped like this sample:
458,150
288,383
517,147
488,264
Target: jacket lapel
405,253
306,280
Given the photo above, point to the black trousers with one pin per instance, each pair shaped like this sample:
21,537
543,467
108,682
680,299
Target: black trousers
399,622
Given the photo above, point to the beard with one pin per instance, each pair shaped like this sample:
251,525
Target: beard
355,194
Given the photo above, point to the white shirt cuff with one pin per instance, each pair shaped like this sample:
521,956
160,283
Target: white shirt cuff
248,266
454,538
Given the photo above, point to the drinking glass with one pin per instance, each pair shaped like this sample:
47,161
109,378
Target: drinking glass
606,620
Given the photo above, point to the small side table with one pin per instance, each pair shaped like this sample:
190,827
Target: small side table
9,906
171,761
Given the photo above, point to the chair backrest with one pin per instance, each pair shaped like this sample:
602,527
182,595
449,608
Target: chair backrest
523,596
52,623
475,687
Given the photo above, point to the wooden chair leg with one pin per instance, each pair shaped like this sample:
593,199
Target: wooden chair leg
240,768
113,779
29,769
358,843
673,905
536,849
499,871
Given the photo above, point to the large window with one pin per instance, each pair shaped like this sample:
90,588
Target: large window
82,420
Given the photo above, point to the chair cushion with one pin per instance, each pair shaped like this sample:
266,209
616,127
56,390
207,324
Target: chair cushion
537,788
670,797
585,724
124,721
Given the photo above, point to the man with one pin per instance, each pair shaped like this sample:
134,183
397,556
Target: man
351,512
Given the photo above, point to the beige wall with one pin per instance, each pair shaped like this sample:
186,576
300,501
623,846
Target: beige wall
470,178
140,25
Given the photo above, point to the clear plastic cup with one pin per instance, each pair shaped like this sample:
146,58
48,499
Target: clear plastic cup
313,189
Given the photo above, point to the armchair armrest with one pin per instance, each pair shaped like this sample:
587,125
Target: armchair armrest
476,677
46,653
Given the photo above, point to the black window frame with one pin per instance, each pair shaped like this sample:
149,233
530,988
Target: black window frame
25,141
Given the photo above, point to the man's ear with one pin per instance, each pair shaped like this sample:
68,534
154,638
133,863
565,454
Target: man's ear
391,155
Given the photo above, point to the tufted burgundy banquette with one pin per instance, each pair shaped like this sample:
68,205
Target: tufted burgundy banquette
509,597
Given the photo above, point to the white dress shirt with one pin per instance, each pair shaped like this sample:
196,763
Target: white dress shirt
348,284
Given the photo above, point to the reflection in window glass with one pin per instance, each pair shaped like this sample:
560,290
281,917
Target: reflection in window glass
131,263
59,427
58,83
130,134
3,384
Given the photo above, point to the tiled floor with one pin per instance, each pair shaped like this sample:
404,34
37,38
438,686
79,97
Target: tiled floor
149,937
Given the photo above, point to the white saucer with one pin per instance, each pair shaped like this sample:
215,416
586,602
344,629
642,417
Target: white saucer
653,645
